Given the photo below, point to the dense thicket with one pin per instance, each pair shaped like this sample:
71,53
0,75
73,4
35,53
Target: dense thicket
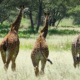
58,10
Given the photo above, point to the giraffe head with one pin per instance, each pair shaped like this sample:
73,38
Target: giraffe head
23,10
47,15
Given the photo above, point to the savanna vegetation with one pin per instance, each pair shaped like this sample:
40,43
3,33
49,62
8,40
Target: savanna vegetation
59,42
64,26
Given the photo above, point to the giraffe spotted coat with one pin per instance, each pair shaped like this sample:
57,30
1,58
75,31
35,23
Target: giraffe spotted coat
9,46
40,50
76,51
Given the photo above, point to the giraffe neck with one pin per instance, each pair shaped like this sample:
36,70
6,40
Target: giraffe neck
16,24
45,28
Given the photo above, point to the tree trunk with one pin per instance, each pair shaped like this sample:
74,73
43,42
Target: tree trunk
53,22
58,22
2,22
32,26
1,1
39,16
50,22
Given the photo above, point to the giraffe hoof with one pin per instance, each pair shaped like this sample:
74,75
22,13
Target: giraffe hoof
42,72
13,67
36,71
5,67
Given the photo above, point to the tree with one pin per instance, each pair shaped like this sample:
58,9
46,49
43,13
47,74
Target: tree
7,7
1,1
58,10
3,13
39,14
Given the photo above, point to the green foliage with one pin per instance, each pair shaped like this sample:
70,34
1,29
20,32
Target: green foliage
4,29
62,32
58,9
23,35
27,46
28,34
4,14
75,12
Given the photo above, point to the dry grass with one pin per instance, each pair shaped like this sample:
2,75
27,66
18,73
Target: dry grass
62,68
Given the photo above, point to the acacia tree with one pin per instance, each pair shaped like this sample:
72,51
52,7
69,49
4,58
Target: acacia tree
39,14
1,1
3,12
7,7
10,6
32,9
58,10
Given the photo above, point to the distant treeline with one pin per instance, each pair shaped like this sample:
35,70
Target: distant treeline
58,10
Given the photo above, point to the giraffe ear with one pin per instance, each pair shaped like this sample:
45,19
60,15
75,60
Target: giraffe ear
26,9
17,9
44,13
23,6
48,13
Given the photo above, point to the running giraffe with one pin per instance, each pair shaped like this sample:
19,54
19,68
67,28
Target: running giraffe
40,50
9,46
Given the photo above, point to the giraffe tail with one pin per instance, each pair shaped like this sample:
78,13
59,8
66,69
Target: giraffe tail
49,61
5,45
45,56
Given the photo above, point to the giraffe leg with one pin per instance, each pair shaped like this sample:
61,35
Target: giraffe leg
43,62
3,55
36,70
79,59
8,58
74,54
13,66
36,66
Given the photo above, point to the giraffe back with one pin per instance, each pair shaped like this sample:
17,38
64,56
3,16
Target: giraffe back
11,40
40,47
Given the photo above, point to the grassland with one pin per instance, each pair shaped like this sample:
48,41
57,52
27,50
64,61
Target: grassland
59,42
61,69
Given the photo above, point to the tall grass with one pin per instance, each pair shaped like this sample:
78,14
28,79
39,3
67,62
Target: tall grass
59,43
54,42
59,46
61,69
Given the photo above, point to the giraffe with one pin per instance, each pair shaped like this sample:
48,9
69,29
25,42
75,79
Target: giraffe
9,46
75,48
40,50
